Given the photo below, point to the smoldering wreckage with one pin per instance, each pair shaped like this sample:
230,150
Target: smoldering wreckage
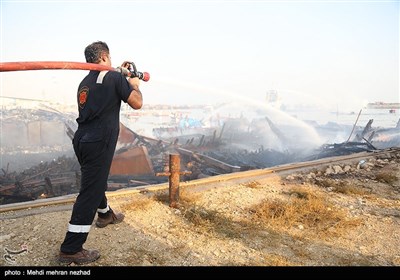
236,145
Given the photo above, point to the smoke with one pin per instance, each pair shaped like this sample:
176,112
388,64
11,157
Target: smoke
266,126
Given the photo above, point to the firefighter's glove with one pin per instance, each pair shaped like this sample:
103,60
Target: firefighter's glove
124,71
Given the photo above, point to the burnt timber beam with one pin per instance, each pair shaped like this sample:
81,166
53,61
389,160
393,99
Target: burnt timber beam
209,160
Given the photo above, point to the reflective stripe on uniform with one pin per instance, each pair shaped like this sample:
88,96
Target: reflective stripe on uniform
79,228
101,77
104,210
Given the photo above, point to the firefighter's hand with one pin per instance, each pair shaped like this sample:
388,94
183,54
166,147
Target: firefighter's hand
135,82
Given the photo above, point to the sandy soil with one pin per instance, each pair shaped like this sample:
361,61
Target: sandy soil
337,215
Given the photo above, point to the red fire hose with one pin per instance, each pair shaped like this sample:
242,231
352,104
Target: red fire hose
66,65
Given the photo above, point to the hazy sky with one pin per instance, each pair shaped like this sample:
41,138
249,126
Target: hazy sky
340,53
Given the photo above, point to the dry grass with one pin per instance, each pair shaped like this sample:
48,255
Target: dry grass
161,196
387,177
352,190
269,260
304,210
253,185
136,204
204,221
188,197
185,196
211,222
341,186
277,260
329,183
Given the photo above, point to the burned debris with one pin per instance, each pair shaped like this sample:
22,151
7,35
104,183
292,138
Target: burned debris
367,140
232,144
48,179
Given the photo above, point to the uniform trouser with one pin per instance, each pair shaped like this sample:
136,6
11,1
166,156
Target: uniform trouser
95,158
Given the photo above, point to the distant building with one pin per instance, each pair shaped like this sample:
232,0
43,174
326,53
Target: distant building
273,99
383,105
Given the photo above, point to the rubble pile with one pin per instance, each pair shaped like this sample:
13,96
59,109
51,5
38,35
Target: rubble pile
48,179
335,177
236,145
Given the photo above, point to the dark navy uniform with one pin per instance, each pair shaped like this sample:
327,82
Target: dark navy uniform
99,100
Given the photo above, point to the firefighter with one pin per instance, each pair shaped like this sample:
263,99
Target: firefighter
99,99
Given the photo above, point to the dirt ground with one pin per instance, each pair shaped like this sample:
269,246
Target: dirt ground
341,214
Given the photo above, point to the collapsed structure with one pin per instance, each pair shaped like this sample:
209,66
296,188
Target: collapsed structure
237,144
